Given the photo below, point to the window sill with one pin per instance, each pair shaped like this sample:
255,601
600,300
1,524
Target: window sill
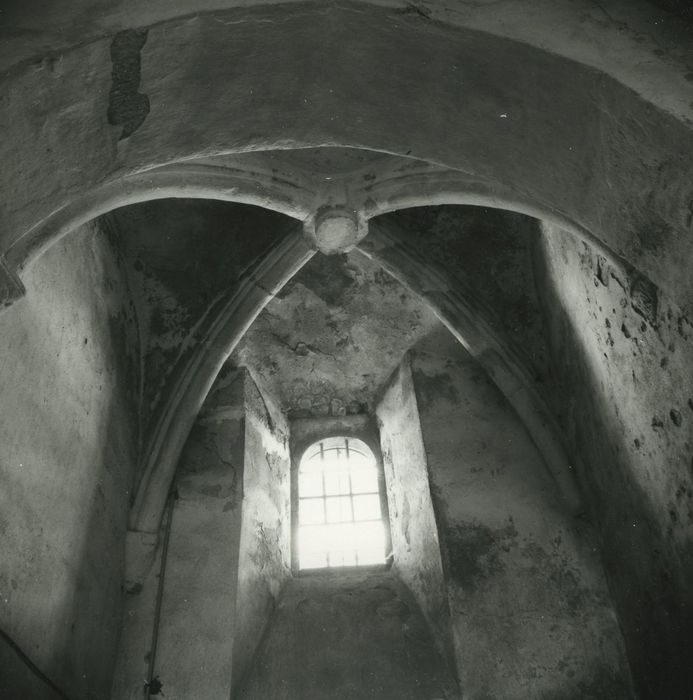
339,571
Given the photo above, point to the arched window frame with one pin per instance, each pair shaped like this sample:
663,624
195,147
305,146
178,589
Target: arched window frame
310,432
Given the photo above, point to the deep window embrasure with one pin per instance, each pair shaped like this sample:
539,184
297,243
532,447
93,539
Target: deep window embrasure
341,518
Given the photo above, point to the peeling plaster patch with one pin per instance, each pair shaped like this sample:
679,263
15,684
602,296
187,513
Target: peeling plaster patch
11,287
331,338
334,280
555,566
209,445
644,299
165,245
412,8
629,395
433,388
268,542
126,105
474,551
485,250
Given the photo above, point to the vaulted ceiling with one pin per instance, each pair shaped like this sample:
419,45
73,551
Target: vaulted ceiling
438,149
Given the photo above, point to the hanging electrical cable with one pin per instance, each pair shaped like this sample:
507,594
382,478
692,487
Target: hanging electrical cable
152,685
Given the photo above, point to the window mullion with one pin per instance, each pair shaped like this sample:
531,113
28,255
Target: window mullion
324,498
337,542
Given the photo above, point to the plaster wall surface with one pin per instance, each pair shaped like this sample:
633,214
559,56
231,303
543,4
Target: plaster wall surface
568,130
348,637
332,336
196,634
530,609
68,436
181,255
614,36
265,540
485,255
415,546
136,632
623,353
228,553
307,431
18,678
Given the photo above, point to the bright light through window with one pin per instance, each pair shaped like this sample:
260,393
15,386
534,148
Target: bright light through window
340,519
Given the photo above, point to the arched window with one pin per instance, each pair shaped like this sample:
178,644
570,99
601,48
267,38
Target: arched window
341,514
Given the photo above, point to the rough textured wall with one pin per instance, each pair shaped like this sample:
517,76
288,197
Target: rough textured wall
265,541
331,338
196,627
181,255
623,354
488,252
307,431
17,679
135,643
681,8
67,451
415,545
573,140
194,655
348,637
228,553
530,609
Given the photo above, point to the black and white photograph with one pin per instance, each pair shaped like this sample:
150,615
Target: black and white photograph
346,349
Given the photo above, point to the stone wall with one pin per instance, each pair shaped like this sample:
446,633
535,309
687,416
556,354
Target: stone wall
623,357
348,636
166,244
415,546
196,634
68,438
228,554
530,609
265,542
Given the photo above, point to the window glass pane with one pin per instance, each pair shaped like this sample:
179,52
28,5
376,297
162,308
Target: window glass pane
332,510
344,481
312,464
336,488
313,539
333,460
310,484
364,481
313,560
342,558
340,536
371,556
338,509
370,533
359,461
336,482
367,507
310,511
